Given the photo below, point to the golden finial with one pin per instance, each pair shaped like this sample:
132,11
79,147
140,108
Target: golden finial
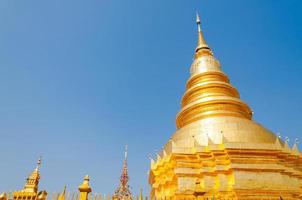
84,189
278,141
85,185
295,147
201,42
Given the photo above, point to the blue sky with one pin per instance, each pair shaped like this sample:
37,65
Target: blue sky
80,79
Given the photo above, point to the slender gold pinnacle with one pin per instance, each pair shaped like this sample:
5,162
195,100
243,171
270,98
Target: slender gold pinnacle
62,195
201,42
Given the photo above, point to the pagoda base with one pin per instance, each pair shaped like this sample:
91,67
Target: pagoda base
228,171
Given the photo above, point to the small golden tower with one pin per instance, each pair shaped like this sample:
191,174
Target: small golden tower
218,151
30,191
84,188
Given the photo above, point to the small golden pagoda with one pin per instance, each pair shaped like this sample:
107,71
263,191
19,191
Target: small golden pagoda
30,191
218,151
84,188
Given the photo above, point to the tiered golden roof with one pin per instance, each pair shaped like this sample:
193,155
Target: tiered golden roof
30,191
218,150
209,92
32,181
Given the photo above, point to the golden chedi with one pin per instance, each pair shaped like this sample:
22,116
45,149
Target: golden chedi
218,151
30,191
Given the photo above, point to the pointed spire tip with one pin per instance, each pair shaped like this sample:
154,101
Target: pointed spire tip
197,18
126,152
201,44
39,163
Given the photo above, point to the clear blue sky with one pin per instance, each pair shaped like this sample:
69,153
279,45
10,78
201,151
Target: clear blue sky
80,79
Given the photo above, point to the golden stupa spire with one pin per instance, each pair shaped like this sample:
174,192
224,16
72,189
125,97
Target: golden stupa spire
201,44
32,181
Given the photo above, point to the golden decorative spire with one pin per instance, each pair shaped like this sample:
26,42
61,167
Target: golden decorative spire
32,181
141,197
85,185
62,195
201,42
209,92
295,148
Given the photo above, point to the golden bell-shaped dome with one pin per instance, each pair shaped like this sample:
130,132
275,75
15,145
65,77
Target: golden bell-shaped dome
211,107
